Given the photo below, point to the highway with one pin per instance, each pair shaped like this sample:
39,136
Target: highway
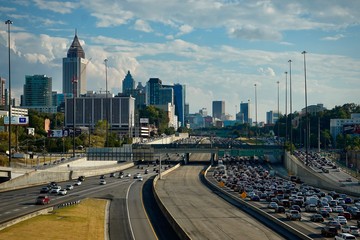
202,214
127,217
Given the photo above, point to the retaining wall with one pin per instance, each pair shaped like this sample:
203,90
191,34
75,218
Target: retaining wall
40,176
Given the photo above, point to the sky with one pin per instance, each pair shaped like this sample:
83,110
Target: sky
219,49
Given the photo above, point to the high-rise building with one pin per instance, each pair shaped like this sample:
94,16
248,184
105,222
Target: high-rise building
74,69
37,91
153,87
218,109
2,91
179,101
245,111
272,117
128,84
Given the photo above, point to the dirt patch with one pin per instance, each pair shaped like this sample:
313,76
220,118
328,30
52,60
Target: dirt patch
83,221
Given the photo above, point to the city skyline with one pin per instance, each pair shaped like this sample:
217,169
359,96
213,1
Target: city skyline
219,53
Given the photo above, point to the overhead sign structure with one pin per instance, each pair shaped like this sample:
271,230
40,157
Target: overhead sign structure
17,120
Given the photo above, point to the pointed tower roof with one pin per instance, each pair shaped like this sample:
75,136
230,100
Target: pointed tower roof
75,49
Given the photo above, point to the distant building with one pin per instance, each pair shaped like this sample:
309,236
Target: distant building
345,126
272,117
74,69
245,111
2,91
128,84
38,94
313,109
218,109
92,107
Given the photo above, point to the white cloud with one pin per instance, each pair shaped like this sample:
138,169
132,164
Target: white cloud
56,6
185,29
142,25
255,33
267,71
333,38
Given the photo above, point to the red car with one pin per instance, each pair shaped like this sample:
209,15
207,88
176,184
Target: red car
42,200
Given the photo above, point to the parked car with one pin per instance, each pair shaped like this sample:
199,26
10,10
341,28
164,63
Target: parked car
42,200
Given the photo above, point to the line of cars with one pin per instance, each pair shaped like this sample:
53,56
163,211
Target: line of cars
255,183
55,189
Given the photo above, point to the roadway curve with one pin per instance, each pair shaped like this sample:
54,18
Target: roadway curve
203,215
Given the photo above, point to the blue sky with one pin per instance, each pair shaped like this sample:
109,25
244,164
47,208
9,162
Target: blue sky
218,49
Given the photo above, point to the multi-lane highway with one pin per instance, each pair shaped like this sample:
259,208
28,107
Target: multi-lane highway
127,217
202,214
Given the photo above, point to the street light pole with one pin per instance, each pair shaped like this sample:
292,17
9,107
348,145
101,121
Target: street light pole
286,113
278,110
291,132
256,120
306,110
9,22
106,105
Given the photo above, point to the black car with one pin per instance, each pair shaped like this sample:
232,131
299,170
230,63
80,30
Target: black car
102,177
316,218
358,223
280,209
329,231
81,178
324,213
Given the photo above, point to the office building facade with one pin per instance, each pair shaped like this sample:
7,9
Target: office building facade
245,111
74,70
218,109
2,91
37,91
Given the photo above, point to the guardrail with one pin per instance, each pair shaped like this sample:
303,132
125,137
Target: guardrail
259,211
175,225
68,204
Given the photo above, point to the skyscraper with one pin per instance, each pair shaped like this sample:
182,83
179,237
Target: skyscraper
179,101
245,110
153,87
128,84
74,69
218,108
38,93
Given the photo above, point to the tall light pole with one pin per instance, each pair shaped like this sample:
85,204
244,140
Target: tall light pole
291,132
256,120
278,110
107,104
286,113
306,111
9,22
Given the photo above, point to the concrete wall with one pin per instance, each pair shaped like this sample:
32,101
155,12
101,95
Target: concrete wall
42,177
308,176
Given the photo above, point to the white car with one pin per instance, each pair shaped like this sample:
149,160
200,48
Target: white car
62,192
128,175
344,236
273,205
341,219
354,230
55,189
77,183
69,187
102,182
338,209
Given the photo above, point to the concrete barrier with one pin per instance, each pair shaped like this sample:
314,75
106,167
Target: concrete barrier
42,177
175,225
265,214
25,217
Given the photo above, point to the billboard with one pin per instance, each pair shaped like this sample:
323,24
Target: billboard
17,120
351,128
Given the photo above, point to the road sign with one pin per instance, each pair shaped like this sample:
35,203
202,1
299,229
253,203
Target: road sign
17,120
243,195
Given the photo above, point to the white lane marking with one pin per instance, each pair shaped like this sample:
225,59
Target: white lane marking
127,209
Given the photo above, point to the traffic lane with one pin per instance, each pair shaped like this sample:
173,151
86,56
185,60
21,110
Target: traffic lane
202,214
22,201
139,222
